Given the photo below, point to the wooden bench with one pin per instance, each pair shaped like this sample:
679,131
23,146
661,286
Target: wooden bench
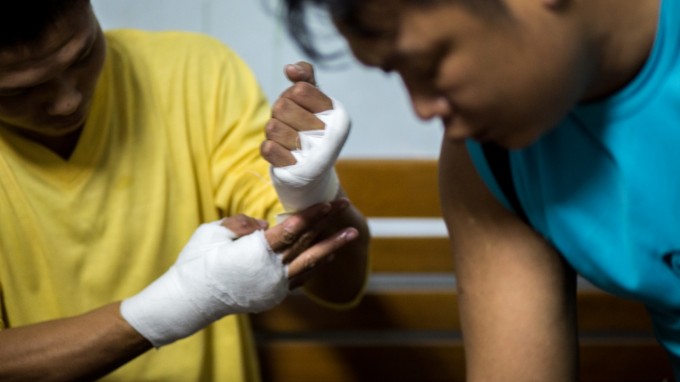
406,328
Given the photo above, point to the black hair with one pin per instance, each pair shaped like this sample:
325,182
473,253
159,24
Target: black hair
27,21
295,16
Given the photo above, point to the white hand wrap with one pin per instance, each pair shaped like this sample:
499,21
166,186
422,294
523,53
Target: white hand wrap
313,179
214,276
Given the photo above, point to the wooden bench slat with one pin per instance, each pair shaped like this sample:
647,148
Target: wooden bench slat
432,310
391,188
411,254
623,360
310,361
407,328
384,311
425,361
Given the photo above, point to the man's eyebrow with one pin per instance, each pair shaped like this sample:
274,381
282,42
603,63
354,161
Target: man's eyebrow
83,51
20,88
16,89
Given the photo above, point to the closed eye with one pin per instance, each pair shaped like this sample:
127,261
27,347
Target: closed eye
14,92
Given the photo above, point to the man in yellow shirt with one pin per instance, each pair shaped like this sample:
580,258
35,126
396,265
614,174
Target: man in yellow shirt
114,148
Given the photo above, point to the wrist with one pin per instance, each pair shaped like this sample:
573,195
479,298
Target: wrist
213,277
313,178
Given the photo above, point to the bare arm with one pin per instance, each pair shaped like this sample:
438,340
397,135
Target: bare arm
84,347
90,345
516,293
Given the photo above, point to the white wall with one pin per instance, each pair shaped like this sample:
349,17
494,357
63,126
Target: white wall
383,122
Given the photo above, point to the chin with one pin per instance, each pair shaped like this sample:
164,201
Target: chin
62,131
50,131
518,141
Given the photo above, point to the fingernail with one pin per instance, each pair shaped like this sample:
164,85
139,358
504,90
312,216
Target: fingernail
297,68
349,234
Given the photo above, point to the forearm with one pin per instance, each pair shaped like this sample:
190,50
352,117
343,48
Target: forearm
342,280
518,324
83,347
516,294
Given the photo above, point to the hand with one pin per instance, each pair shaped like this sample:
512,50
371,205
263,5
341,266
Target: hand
293,112
293,238
232,267
304,138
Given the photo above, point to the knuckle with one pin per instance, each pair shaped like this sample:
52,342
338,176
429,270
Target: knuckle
240,223
267,149
307,238
245,223
288,236
309,261
230,220
301,90
271,128
281,106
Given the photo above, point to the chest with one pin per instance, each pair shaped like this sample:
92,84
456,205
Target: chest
607,195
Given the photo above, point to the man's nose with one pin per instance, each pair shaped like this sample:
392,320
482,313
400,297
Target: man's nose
428,106
65,98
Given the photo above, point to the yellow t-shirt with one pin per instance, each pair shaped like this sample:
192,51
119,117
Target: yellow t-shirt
172,141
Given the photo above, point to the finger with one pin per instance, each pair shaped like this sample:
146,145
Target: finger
337,206
300,245
308,96
283,134
274,153
283,235
307,239
306,275
292,114
242,225
315,255
300,71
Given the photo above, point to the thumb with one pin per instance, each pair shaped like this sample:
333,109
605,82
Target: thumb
300,72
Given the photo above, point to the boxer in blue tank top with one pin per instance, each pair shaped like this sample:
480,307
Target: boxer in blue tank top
604,186
579,100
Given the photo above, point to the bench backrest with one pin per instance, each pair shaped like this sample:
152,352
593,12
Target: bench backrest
406,328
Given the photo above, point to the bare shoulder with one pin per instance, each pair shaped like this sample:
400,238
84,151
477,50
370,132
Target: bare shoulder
464,196
515,292
477,222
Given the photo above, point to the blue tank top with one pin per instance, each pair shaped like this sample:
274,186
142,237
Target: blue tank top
604,186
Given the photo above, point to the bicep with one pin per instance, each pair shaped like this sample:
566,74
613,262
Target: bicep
516,293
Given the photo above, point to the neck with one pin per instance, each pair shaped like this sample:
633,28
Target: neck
62,145
623,34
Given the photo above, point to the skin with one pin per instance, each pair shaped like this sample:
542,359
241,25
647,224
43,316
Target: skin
528,64
505,76
46,89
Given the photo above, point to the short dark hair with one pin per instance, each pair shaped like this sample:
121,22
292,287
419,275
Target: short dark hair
27,21
347,11
295,17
